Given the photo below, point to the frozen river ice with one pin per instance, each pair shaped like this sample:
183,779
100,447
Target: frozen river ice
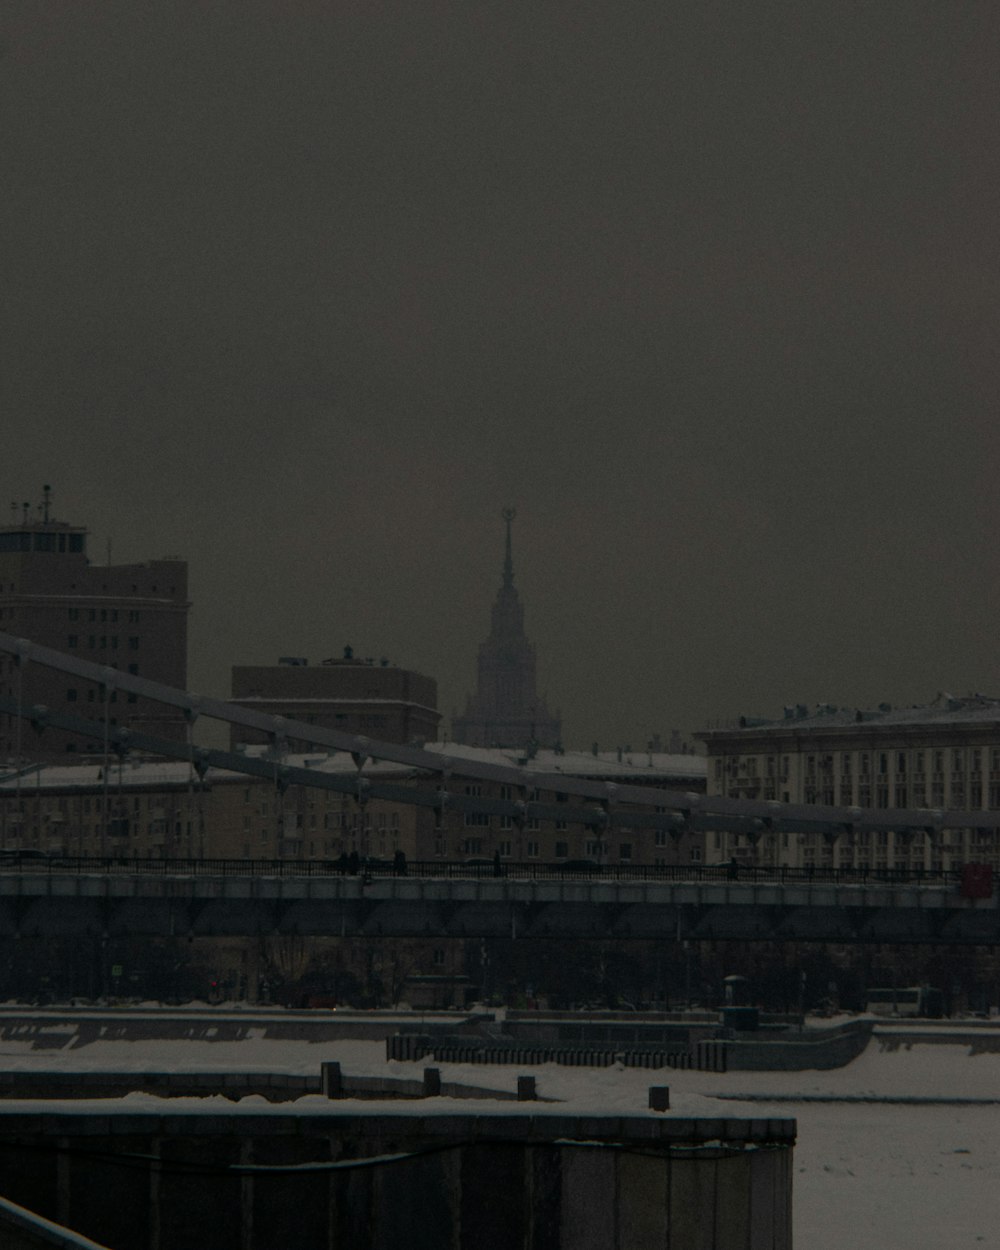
869,1175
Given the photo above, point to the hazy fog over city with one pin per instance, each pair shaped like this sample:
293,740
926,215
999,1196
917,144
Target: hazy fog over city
307,293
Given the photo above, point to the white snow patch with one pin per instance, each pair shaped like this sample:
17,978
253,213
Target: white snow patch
868,1176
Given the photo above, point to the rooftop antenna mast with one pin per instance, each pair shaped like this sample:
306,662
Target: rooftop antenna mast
46,500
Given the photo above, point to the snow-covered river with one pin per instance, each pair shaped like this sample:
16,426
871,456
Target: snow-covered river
869,1175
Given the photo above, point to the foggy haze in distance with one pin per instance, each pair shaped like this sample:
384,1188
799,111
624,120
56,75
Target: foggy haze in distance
307,292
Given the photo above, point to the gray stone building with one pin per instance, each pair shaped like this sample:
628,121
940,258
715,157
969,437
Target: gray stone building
506,709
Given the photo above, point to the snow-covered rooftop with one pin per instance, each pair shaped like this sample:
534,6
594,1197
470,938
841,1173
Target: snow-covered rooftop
649,764
147,773
946,709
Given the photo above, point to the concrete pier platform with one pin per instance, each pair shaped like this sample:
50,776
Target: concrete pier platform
320,1180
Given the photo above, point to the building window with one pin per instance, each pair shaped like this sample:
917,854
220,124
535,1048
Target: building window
625,852
562,850
71,695
72,640
532,849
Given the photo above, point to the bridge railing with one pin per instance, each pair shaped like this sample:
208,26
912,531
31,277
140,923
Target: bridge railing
27,862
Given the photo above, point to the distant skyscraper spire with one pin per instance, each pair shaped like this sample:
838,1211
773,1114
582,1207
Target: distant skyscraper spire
506,709
508,515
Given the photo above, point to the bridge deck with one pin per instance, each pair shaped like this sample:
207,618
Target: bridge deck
160,899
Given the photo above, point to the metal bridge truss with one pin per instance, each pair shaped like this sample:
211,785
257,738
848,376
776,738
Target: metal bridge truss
596,805
214,899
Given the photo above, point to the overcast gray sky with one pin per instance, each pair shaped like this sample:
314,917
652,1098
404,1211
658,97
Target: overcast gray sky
307,292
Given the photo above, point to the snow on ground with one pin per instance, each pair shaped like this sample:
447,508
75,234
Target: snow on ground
868,1176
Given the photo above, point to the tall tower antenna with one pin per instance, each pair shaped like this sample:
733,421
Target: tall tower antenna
46,500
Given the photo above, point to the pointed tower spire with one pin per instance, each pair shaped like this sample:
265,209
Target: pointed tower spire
508,515
506,709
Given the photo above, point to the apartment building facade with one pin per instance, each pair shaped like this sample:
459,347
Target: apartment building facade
131,617
153,809
944,755
623,842
147,808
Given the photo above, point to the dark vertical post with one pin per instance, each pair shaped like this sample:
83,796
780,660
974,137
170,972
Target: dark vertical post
331,1081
